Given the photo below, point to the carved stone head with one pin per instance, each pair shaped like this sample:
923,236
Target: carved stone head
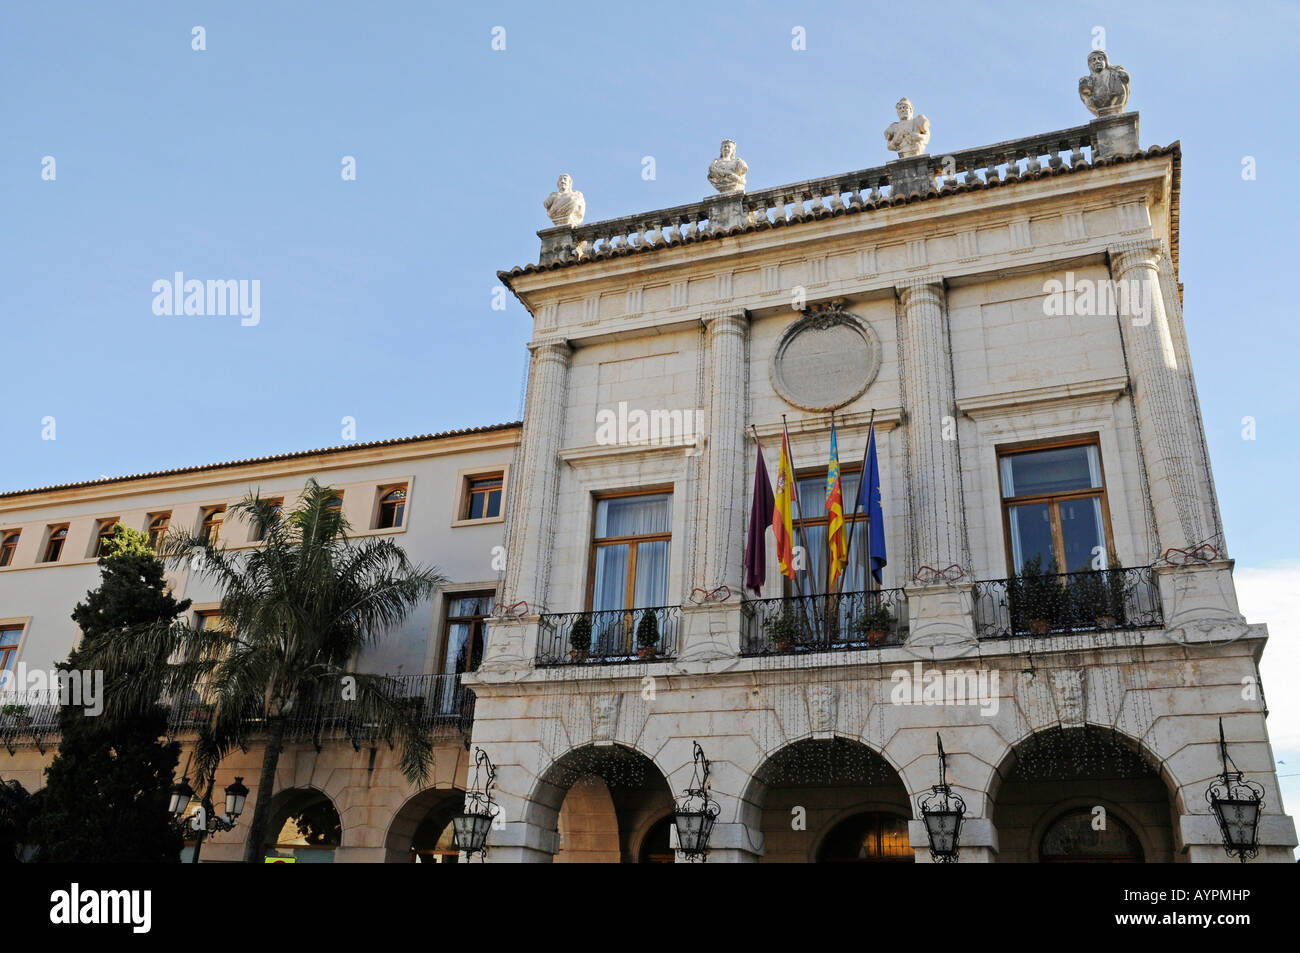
728,150
1098,61
565,183
904,107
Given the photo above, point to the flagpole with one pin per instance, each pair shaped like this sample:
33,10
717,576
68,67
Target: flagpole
798,507
857,505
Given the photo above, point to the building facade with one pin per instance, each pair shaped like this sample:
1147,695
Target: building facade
1057,606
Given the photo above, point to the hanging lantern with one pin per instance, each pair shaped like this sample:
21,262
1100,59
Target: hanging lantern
942,811
470,827
696,812
1236,804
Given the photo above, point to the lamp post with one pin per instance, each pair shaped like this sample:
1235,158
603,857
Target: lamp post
1236,804
696,811
470,827
942,811
205,822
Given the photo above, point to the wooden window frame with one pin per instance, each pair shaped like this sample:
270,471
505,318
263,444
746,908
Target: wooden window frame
53,530
383,491
9,540
1053,500
10,653
258,531
103,531
629,595
150,529
205,520
449,620
461,499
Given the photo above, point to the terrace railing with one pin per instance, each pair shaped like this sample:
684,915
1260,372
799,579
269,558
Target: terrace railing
850,620
1101,601
615,635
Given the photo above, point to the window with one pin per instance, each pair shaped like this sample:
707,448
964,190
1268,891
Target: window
1074,838
277,507
872,837
210,531
629,557
1054,506
8,546
466,617
10,636
811,533
483,496
392,507
103,534
54,548
158,525
336,501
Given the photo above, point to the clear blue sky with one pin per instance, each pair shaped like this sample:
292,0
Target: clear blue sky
376,293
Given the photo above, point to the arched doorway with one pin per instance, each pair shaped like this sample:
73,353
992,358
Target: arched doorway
656,846
1080,836
596,798
869,837
1081,795
421,831
829,800
304,828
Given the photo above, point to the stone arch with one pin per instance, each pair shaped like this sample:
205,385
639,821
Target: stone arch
1052,770
830,779
603,818
325,824
432,802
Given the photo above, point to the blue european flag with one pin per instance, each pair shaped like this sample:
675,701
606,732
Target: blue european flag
869,500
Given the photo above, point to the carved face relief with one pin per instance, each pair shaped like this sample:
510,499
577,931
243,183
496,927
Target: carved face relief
823,704
604,718
1067,691
564,184
904,108
1097,61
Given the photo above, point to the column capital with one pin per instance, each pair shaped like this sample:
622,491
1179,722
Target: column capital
553,350
1139,253
722,320
925,286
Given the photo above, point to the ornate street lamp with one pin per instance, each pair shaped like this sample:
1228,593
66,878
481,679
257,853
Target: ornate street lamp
696,811
1236,804
470,827
205,822
942,811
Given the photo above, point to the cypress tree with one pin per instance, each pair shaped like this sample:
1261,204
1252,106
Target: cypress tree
107,790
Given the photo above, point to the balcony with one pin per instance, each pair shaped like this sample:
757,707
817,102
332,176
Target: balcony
611,636
1104,601
443,708
822,623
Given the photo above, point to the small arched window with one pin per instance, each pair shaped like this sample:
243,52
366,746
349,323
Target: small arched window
392,508
1080,836
104,534
54,548
8,546
212,520
158,530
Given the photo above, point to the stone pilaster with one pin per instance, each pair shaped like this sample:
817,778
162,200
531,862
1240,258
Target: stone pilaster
1164,407
528,559
723,529
934,470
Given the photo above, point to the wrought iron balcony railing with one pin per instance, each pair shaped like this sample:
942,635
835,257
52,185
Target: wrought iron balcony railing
849,620
1101,601
615,635
443,708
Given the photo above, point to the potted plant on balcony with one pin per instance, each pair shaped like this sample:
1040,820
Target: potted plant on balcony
785,628
580,639
874,623
647,634
1037,596
18,713
1113,589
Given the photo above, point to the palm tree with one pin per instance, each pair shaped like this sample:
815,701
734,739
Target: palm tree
295,612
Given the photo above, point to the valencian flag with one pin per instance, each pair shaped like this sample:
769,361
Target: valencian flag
783,510
837,538
760,518
869,500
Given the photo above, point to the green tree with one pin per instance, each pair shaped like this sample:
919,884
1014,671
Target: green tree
295,612
16,808
107,789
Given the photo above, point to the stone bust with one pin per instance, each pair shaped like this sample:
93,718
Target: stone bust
1105,89
565,206
727,172
911,134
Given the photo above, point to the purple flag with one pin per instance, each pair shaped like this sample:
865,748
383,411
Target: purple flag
760,518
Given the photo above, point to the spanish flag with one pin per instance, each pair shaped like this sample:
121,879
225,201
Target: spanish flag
837,538
782,514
